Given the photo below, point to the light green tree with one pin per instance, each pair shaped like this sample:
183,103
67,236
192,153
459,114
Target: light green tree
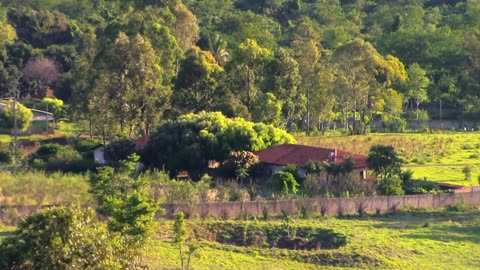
130,87
252,60
417,85
23,114
306,51
181,236
121,196
198,82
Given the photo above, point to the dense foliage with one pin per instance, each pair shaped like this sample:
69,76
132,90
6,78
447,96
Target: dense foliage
125,66
188,143
7,116
62,238
54,157
121,197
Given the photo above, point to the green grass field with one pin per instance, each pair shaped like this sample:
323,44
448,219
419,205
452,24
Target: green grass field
420,239
438,157
440,239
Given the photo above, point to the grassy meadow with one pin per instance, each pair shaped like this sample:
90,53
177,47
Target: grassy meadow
437,157
440,239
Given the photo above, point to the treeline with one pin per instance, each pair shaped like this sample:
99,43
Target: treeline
128,65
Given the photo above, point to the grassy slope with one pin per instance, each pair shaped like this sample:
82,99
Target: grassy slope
438,157
411,240
438,239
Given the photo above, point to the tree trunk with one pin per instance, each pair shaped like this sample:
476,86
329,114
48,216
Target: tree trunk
441,114
308,110
249,90
417,103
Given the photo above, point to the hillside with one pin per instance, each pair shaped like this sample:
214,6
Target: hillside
296,64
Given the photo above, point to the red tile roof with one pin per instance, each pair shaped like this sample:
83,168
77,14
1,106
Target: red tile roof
140,143
299,155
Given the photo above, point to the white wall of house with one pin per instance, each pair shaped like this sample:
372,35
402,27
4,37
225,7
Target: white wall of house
99,155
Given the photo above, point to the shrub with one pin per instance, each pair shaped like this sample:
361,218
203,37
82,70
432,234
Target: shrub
5,157
313,166
84,146
467,171
238,164
62,238
292,169
395,124
54,157
121,196
285,183
391,186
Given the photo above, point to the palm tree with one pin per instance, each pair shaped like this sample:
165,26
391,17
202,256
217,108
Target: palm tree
218,47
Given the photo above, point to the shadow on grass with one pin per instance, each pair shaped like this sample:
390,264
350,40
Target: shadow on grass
442,225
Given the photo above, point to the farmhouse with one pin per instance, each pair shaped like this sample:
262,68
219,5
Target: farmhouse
276,157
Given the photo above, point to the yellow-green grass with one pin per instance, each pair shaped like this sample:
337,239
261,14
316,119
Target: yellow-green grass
447,174
411,240
438,239
72,128
450,152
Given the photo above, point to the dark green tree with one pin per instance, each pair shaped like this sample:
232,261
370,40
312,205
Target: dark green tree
188,143
384,161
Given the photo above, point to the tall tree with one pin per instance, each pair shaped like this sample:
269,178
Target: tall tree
197,84
307,53
417,85
283,80
186,29
366,74
252,59
133,82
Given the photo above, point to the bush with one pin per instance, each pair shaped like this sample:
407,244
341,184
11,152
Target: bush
391,186
5,157
421,187
467,171
285,183
84,146
238,164
54,157
292,169
62,238
395,124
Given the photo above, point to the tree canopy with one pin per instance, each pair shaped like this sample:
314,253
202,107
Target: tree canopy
129,66
188,143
